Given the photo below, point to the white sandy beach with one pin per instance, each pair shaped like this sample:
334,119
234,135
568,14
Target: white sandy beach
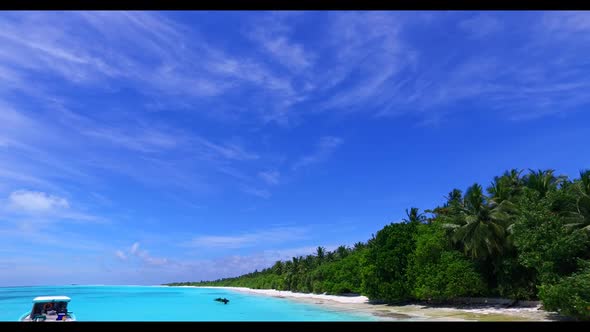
412,312
278,293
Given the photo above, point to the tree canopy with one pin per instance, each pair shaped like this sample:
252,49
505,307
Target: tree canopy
527,239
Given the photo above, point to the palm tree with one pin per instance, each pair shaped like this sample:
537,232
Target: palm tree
580,219
278,268
320,253
516,181
505,187
359,245
454,200
290,270
330,256
499,190
542,181
414,216
585,182
342,251
480,227
309,259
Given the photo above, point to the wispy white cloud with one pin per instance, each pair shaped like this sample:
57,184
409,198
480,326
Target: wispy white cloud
141,140
121,255
165,58
270,236
393,76
229,266
47,46
481,25
270,177
229,151
189,159
356,59
324,150
144,137
25,234
12,121
142,255
567,21
540,72
291,54
29,150
36,202
272,34
22,178
263,193
134,248
41,207
289,253
364,56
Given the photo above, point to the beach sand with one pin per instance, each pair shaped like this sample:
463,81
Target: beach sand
411,312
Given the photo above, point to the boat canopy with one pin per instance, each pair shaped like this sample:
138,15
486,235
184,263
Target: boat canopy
43,299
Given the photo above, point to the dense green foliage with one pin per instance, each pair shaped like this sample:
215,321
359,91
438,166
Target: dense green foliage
570,296
545,244
528,238
438,271
385,263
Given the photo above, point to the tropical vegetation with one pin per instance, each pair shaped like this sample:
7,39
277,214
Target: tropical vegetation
523,237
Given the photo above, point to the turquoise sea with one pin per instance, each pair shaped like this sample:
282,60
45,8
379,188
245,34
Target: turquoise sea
162,303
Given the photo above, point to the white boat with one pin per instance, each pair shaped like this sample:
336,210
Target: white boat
49,309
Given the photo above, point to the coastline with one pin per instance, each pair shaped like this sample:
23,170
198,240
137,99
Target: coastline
409,312
278,293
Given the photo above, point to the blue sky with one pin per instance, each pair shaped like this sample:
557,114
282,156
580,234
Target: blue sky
150,147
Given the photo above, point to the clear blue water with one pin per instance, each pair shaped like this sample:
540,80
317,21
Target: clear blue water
161,303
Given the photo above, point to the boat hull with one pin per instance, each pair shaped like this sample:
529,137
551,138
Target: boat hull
26,318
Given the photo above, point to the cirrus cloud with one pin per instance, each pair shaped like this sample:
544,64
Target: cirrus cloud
36,202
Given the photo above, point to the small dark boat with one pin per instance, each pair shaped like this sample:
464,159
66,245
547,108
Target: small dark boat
224,300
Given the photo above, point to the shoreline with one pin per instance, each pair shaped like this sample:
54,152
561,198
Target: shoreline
290,294
409,312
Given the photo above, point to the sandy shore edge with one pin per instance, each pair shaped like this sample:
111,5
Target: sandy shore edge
411,312
278,293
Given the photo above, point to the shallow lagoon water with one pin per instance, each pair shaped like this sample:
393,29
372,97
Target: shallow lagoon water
162,303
